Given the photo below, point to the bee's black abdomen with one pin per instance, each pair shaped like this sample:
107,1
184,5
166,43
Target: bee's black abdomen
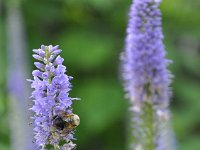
59,123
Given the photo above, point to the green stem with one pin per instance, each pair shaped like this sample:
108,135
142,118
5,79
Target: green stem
47,58
150,121
56,147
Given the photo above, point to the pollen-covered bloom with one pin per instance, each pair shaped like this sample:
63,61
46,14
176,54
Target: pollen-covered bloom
145,74
51,96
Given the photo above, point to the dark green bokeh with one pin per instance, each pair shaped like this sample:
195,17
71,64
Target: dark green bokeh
91,34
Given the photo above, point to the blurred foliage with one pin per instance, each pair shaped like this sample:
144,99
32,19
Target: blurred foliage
91,34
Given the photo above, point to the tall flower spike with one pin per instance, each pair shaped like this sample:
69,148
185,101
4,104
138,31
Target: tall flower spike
146,77
53,120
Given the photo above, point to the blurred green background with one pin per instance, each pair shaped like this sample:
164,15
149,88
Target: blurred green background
91,34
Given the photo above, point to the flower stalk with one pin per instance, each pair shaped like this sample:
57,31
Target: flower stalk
146,77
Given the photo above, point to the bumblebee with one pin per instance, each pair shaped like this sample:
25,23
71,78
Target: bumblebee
66,122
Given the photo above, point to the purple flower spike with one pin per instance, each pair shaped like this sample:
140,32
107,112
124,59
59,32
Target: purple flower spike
52,101
145,65
146,76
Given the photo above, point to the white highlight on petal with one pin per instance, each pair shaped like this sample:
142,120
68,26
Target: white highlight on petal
138,147
163,115
135,108
158,1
